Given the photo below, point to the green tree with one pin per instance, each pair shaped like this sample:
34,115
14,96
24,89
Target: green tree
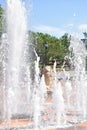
65,39
85,42
85,38
85,35
1,20
57,47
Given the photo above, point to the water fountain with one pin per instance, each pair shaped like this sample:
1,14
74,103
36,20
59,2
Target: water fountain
23,100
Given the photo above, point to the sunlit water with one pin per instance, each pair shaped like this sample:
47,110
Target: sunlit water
23,98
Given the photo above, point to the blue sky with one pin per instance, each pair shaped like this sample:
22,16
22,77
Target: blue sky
56,17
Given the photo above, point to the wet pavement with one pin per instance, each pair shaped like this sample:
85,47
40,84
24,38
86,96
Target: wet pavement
23,124
73,128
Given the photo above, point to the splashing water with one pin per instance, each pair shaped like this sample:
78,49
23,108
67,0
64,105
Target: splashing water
24,99
17,79
78,61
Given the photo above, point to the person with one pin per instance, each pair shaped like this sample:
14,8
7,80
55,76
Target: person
48,75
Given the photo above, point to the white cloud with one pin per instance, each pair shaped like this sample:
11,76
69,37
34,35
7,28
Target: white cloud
52,30
83,27
70,25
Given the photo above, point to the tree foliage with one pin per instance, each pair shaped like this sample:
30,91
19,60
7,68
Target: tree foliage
1,19
57,47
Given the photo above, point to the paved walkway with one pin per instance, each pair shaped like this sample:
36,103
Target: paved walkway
25,122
